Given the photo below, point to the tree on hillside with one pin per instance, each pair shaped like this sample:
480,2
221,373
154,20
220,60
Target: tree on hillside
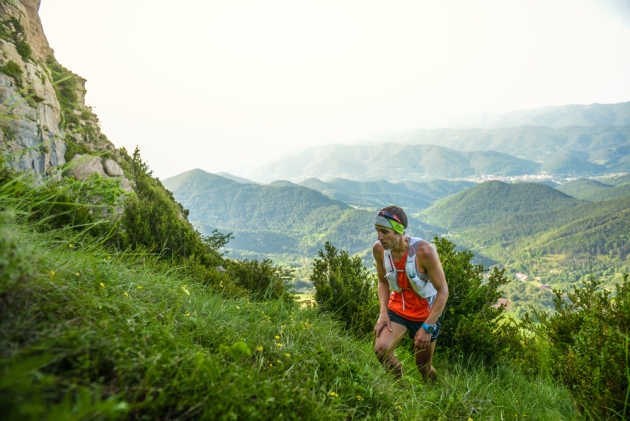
346,289
470,322
154,220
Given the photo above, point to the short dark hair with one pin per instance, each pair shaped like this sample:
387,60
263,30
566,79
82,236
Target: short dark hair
399,213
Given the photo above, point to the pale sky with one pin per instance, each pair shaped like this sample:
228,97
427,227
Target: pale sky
226,85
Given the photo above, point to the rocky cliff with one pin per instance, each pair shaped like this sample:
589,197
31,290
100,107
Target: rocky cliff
44,120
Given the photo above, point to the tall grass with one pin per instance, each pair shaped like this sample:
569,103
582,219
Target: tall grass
88,333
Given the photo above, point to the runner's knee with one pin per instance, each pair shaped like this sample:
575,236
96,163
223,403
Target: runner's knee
381,349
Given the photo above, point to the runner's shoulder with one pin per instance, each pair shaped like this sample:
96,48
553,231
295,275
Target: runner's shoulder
378,250
425,250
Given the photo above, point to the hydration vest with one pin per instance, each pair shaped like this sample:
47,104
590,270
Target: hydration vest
420,282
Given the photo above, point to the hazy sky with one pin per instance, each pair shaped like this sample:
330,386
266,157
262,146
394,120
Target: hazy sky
225,85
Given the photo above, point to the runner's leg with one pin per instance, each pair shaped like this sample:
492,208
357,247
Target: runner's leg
424,359
384,347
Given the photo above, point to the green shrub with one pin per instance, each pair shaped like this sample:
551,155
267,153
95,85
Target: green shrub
346,289
588,335
470,323
12,69
264,280
73,148
24,49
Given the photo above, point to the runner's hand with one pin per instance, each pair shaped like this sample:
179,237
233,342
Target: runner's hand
422,339
382,321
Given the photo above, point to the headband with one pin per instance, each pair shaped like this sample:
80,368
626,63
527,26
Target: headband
389,223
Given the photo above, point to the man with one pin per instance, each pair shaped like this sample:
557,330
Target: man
411,269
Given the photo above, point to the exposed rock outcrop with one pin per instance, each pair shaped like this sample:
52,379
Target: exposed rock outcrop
44,123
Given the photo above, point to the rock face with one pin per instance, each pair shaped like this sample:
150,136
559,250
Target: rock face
42,125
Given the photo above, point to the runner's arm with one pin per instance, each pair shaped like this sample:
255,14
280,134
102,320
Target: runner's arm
428,261
383,289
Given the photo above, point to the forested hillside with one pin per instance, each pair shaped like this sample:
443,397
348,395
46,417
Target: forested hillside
594,191
493,201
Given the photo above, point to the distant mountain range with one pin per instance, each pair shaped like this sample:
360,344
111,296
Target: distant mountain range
412,196
462,153
555,117
394,162
278,218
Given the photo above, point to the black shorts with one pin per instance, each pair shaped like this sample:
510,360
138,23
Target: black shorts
413,327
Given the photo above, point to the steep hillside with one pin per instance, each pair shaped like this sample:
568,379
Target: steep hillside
494,201
391,162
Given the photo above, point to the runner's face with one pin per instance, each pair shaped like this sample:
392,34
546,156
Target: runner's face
387,237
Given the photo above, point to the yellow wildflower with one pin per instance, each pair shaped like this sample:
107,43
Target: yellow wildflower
279,362
187,314
125,294
343,361
470,419
270,365
277,337
109,257
238,308
287,355
333,394
77,274
102,285
279,345
359,398
52,274
139,286
70,245
260,348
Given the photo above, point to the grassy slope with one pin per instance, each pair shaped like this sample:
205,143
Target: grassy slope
121,334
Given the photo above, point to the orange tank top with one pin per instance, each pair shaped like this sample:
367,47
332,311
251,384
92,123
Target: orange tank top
407,303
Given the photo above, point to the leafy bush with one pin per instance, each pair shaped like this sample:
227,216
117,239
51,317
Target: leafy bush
470,323
264,280
346,289
588,339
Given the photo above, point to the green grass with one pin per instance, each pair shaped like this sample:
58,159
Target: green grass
81,339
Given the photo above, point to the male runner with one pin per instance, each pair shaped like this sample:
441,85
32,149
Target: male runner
418,292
